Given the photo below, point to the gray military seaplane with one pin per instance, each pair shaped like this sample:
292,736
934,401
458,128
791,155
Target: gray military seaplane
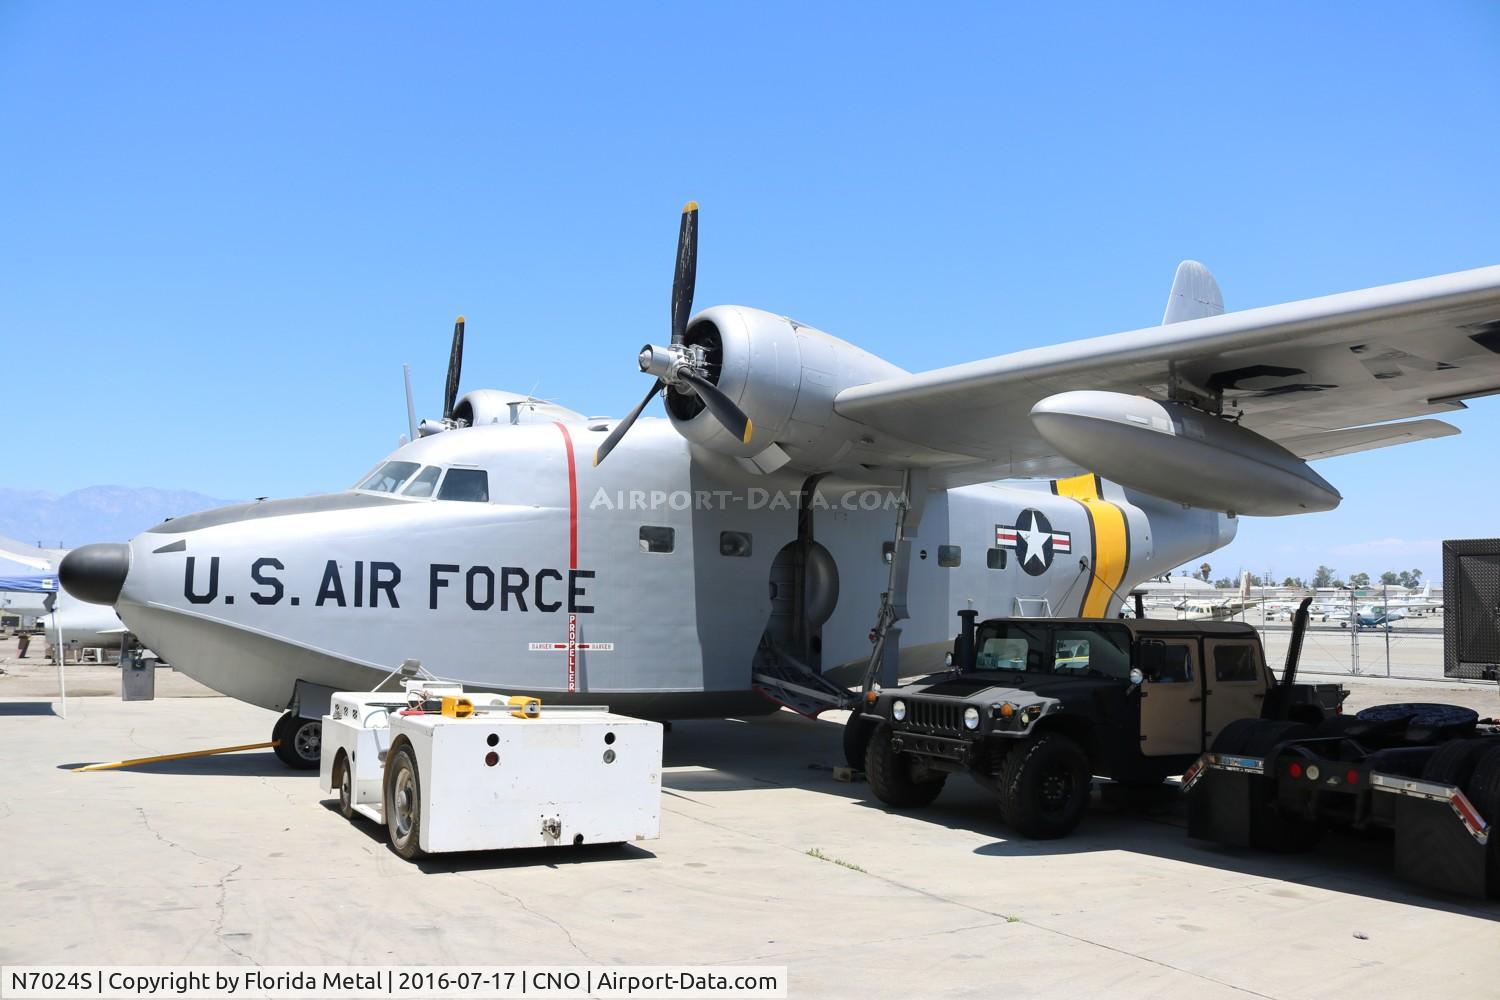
734,555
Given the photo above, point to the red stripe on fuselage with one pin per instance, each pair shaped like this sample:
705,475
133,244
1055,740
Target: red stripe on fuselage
572,500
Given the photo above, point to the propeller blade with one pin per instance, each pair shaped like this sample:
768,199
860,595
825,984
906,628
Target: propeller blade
455,366
721,406
685,280
624,425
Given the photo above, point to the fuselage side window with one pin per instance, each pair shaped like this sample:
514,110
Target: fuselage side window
424,483
472,485
388,477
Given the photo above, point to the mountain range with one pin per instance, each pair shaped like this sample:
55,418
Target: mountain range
92,514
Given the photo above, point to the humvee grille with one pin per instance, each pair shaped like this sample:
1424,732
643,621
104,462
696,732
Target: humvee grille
936,716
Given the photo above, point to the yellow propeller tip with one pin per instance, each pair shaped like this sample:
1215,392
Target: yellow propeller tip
459,320
691,206
749,426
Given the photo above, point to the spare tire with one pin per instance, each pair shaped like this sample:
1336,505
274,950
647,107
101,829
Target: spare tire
1424,721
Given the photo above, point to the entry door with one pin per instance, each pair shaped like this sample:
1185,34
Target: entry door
1171,697
1236,678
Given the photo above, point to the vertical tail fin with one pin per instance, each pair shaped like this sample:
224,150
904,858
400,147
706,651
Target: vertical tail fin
1195,294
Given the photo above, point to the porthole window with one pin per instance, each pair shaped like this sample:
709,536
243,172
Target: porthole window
950,556
995,558
734,543
655,539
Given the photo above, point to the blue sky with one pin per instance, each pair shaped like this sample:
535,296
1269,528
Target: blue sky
226,226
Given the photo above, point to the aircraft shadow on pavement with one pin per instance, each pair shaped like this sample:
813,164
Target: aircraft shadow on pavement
27,708
524,857
787,751
229,765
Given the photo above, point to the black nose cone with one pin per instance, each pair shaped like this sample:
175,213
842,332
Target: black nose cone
95,573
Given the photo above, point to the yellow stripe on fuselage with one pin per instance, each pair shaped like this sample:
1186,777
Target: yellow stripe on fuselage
1111,542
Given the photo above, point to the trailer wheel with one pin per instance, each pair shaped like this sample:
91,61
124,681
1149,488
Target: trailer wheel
1044,787
1233,737
891,774
857,732
299,741
403,802
1483,790
1454,762
1270,829
343,780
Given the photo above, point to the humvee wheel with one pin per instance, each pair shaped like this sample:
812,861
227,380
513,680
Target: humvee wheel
857,732
1044,787
891,777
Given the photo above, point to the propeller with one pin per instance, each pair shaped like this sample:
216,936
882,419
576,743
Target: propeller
455,366
681,366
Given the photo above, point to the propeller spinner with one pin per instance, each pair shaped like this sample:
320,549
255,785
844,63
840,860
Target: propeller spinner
681,366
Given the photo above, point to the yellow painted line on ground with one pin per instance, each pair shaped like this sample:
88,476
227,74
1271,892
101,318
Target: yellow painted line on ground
161,758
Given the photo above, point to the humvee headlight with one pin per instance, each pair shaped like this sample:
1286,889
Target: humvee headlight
898,710
971,718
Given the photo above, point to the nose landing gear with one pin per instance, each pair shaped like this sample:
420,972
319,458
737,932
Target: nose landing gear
299,741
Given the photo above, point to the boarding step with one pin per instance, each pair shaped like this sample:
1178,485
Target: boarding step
787,681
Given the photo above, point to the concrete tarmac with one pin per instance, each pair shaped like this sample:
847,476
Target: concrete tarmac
764,859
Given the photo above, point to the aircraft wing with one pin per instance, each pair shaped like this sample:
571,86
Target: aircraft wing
28,555
1321,377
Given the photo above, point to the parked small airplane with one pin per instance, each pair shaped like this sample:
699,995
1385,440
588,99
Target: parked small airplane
1373,616
734,555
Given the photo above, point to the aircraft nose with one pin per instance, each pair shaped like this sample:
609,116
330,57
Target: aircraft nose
95,573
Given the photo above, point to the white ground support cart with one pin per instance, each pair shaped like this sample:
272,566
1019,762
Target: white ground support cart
445,770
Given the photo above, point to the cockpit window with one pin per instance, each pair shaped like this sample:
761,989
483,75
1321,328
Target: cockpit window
466,484
423,483
388,477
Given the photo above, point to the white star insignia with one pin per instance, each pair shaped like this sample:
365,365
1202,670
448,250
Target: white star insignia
1032,539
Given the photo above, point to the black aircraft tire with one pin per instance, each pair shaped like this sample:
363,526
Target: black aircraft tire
1454,762
890,774
403,802
1268,734
857,732
298,741
1045,786
1483,791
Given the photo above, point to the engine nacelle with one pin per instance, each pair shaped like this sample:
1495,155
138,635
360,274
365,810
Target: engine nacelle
784,376
497,406
1175,452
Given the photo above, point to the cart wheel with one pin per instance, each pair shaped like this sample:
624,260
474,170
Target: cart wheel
299,741
403,802
343,780
890,774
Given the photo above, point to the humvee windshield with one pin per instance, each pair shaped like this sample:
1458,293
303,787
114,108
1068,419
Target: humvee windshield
1101,650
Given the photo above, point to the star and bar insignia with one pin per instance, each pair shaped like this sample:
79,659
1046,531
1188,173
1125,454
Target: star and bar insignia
1033,540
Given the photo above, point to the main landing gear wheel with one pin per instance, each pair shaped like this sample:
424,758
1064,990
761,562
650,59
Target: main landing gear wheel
894,778
299,741
403,802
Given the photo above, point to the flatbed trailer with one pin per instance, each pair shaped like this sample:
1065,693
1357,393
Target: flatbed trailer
1428,773
1440,795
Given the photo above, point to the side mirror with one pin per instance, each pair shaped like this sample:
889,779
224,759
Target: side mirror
1136,678
948,659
